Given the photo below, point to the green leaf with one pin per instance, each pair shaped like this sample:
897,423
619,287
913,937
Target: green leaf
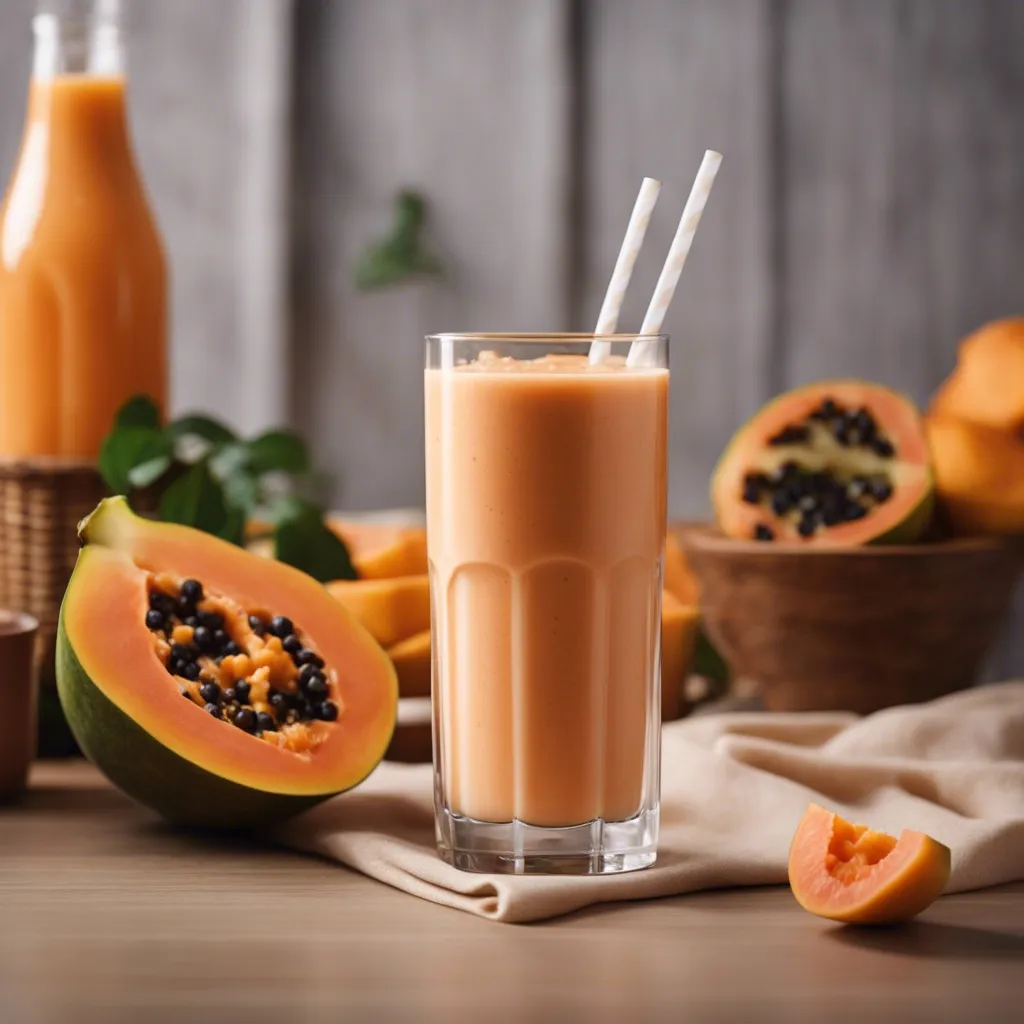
409,214
242,492
383,266
122,450
200,426
152,462
230,459
280,508
708,662
140,411
196,499
234,527
148,472
401,254
308,543
278,451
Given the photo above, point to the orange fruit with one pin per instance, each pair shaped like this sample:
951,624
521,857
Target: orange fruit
380,552
849,873
987,385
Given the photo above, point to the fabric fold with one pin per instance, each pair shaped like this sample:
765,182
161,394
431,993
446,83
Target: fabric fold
734,787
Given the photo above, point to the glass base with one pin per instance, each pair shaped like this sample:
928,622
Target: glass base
596,847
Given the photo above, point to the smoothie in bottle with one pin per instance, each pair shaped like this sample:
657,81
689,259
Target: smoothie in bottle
83,303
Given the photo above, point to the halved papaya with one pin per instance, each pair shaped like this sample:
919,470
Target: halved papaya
979,475
391,609
849,873
221,689
987,385
838,463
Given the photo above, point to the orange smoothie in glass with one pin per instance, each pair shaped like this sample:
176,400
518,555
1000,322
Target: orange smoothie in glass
546,492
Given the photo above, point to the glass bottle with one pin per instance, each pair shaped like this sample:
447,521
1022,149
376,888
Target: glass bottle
83,289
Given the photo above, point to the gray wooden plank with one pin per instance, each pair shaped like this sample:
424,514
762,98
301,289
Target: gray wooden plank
468,103
264,83
15,63
208,111
850,282
664,81
903,175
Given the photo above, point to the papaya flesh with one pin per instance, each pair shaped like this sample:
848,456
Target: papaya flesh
411,658
987,386
838,463
679,579
680,624
391,609
206,763
847,872
383,552
979,476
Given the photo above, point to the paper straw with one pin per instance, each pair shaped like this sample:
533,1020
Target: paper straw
666,286
608,318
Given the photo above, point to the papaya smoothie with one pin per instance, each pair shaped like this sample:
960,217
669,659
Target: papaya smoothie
546,495
83,295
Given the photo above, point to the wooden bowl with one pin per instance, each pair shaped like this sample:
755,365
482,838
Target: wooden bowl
853,629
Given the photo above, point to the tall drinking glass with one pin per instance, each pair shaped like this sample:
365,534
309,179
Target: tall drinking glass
546,498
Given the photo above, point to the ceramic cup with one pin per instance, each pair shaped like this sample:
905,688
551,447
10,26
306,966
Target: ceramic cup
17,701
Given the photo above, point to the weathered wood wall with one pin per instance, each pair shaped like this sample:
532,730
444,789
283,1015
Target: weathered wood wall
869,211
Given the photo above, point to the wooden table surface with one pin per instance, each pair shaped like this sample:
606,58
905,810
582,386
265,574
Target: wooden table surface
108,915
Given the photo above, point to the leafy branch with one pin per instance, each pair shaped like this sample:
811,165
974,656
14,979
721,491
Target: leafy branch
201,474
402,253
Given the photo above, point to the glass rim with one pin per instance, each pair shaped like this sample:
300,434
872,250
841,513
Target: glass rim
535,337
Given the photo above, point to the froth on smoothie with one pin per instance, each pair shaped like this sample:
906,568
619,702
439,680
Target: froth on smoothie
491,362
546,490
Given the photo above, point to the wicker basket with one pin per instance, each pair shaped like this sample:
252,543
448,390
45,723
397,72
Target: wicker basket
41,503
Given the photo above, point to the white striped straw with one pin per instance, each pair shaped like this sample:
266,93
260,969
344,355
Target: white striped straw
608,319
639,351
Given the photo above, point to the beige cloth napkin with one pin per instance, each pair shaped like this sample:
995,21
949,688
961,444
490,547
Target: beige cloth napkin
734,787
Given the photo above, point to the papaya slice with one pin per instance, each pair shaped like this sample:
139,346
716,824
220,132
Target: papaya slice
391,609
411,658
979,476
838,463
287,699
679,579
680,624
987,386
381,552
849,873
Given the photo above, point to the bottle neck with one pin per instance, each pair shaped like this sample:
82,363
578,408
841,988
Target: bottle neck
77,37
